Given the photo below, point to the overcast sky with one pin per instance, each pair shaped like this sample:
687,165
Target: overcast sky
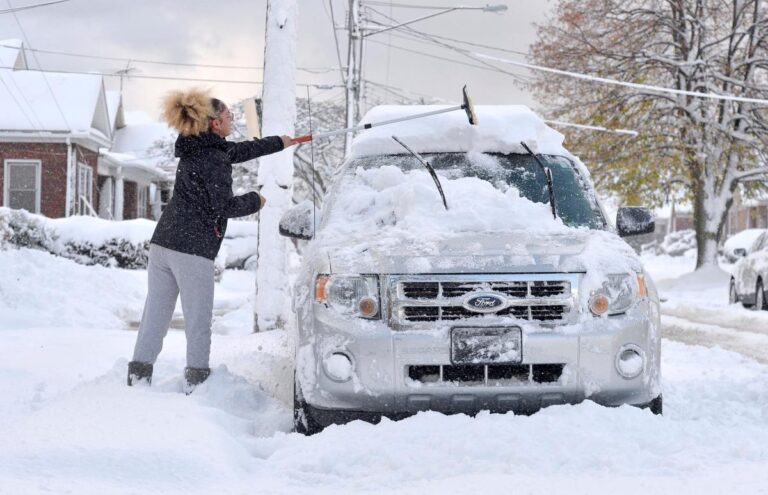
231,32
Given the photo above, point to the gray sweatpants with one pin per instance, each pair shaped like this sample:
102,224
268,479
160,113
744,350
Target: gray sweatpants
172,273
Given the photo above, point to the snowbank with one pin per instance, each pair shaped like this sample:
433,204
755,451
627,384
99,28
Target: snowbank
71,425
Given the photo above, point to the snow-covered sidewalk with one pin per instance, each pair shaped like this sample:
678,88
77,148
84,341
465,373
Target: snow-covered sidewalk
70,425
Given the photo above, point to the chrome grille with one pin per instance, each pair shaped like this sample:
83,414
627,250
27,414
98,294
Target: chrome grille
419,299
517,289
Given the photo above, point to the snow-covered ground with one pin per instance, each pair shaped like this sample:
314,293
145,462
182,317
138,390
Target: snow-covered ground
70,425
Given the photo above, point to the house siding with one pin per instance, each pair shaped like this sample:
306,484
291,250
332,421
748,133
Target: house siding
53,171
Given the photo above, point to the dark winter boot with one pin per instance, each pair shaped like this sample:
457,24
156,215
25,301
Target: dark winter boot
139,371
194,377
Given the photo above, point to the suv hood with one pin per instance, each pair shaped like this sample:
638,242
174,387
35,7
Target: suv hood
509,252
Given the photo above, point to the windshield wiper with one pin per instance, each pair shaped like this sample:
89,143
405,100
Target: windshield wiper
429,168
547,174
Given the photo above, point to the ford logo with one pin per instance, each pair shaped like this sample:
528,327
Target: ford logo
485,303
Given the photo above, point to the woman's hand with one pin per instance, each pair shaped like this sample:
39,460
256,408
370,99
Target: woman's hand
287,141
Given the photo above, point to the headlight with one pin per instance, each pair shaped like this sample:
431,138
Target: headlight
617,294
349,295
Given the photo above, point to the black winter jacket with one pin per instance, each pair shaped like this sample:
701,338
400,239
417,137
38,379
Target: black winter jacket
195,219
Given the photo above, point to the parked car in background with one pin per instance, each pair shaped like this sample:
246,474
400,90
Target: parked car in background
736,246
750,275
465,280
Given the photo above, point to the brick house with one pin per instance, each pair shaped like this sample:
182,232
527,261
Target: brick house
749,213
57,146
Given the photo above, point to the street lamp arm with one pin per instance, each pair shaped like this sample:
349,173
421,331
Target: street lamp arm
488,8
389,28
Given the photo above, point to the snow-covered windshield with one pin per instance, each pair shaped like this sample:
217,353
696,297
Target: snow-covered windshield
575,205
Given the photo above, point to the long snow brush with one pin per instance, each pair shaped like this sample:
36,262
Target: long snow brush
467,106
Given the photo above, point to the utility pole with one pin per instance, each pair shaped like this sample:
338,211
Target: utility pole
354,63
357,33
276,171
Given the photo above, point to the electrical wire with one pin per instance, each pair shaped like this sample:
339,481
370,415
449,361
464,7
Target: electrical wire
45,78
336,42
456,49
192,79
28,7
314,70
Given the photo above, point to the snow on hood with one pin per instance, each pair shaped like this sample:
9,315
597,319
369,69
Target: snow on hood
500,129
389,221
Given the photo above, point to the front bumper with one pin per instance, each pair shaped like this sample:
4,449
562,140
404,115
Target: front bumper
381,382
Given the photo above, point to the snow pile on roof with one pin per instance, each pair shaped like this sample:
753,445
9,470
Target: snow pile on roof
29,105
12,54
500,129
135,143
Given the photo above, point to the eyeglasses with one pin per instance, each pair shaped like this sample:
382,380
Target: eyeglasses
226,113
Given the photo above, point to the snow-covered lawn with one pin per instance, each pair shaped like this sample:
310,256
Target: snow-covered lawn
70,425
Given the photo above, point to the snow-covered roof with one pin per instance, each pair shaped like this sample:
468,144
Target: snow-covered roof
132,147
500,129
34,101
11,54
115,109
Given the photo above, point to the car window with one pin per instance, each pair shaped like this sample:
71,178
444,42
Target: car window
574,199
759,243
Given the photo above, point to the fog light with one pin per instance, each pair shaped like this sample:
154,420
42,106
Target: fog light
368,307
338,367
599,303
630,361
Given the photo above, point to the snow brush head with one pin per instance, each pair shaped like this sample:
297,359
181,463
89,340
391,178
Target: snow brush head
189,112
469,107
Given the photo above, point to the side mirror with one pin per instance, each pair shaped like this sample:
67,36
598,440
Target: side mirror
739,252
635,220
299,221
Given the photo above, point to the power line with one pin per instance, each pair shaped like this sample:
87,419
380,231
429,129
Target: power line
315,70
45,78
15,100
336,42
603,80
192,79
446,59
446,38
27,7
456,49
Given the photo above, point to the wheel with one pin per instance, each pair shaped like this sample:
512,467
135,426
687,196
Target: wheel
303,422
760,302
733,297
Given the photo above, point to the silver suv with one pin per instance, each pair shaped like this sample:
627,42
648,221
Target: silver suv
393,321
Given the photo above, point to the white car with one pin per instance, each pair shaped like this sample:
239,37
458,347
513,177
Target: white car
750,275
464,280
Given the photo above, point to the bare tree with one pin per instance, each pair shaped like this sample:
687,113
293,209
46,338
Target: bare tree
715,47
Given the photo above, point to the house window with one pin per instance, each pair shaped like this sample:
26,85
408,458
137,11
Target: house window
84,190
142,198
22,185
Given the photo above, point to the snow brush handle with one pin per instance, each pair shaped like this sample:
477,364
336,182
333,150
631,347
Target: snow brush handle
303,139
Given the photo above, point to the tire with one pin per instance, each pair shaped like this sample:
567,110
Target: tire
303,422
733,297
760,302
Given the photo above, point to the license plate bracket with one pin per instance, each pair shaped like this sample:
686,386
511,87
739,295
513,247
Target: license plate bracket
486,345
